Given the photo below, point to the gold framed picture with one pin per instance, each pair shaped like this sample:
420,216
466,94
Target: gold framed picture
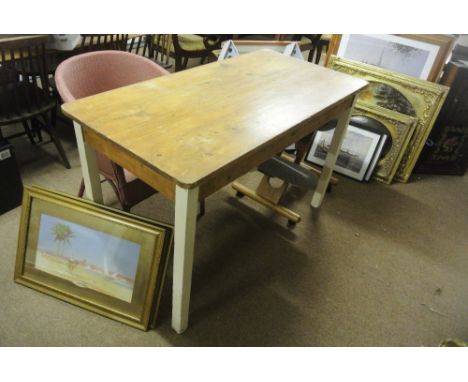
422,56
101,259
404,94
399,127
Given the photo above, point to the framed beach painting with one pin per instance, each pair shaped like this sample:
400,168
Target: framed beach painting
421,56
105,260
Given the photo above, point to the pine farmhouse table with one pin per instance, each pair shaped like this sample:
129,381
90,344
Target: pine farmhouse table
191,133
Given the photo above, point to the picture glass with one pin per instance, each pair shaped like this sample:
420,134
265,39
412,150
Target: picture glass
400,54
388,97
81,254
86,257
356,151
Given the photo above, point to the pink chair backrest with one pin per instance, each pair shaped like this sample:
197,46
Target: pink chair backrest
96,72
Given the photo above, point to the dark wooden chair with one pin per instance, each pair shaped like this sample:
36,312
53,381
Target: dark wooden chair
310,43
182,47
324,43
139,44
196,46
92,42
159,49
25,93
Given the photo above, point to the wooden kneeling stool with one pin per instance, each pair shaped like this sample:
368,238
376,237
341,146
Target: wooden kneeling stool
269,195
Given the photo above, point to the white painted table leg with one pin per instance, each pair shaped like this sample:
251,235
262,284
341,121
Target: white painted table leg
186,205
89,167
330,160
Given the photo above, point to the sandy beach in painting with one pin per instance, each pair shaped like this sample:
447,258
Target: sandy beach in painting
85,275
86,257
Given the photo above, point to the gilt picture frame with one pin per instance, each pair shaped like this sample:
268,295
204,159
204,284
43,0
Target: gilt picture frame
404,94
419,55
98,258
400,128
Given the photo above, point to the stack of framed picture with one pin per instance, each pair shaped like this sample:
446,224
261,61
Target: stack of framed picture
373,146
400,96
101,259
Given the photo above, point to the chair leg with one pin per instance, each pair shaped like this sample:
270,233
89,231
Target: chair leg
82,189
36,129
201,210
53,114
53,134
125,206
301,148
319,53
119,193
311,55
322,44
27,129
178,63
184,65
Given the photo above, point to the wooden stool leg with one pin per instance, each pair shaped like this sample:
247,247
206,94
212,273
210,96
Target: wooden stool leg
82,188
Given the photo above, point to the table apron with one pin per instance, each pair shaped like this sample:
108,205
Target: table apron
160,182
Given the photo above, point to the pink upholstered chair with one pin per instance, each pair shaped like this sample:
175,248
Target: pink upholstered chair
95,72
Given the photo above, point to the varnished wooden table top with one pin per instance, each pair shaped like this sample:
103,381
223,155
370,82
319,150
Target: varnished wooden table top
213,121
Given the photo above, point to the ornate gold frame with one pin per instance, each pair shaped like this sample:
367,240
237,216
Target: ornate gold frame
155,239
445,43
400,127
426,98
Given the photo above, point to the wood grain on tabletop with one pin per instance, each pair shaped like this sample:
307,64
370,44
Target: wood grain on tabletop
190,125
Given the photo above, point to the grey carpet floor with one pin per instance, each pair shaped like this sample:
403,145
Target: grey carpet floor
377,265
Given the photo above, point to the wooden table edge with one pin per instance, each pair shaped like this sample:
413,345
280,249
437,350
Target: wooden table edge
166,183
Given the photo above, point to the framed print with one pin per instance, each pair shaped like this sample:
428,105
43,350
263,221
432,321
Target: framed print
357,151
418,55
375,159
104,260
404,94
397,127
